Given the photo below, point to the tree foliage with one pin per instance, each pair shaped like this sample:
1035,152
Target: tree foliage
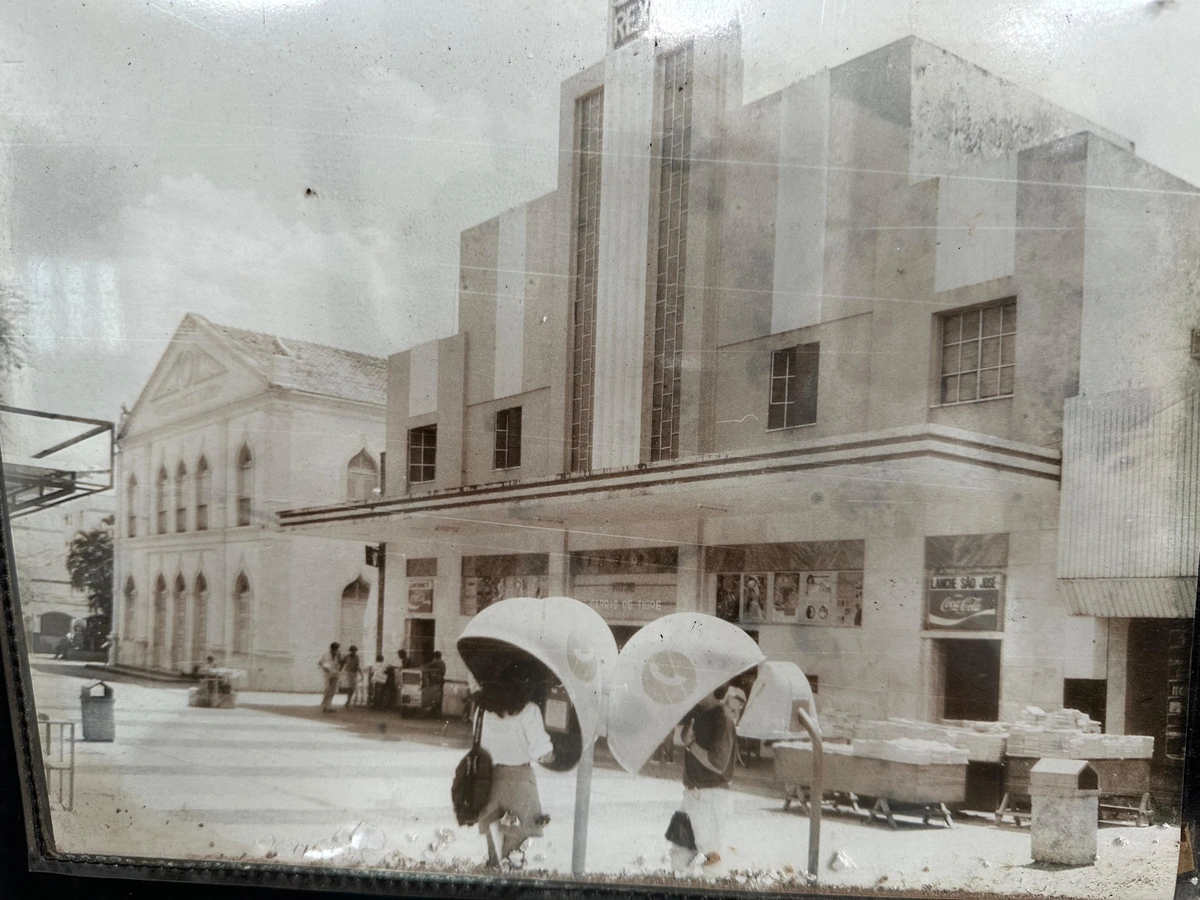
90,562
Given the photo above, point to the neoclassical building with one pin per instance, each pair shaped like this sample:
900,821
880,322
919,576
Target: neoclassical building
233,426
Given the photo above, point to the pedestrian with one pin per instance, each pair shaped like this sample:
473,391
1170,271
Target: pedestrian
710,749
351,666
514,734
435,674
379,677
331,667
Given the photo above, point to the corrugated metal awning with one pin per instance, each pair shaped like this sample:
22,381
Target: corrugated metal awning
1131,598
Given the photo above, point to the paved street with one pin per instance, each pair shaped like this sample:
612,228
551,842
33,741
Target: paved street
275,779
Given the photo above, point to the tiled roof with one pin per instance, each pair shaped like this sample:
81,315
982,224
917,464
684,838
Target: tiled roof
314,368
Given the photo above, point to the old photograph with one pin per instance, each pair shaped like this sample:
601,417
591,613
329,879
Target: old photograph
741,444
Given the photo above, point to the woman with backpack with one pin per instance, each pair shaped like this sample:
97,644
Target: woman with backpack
514,735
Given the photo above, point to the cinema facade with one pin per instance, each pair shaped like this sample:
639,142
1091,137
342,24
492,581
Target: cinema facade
878,366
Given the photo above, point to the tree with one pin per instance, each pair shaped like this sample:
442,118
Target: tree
90,562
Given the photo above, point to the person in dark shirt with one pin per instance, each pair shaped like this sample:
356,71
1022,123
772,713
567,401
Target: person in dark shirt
710,751
435,674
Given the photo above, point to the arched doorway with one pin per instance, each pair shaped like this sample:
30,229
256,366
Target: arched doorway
178,622
159,633
243,621
351,625
200,619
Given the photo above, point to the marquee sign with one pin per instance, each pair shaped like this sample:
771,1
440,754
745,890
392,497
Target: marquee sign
968,602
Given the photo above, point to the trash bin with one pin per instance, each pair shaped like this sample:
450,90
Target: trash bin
1065,797
98,713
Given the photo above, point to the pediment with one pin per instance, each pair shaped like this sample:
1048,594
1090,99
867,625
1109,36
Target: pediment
191,367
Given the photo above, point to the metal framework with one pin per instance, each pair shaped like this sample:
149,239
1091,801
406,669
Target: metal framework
30,488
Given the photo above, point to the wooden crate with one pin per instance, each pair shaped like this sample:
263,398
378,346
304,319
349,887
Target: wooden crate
876,778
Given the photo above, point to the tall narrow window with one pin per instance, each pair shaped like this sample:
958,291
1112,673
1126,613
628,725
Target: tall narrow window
129,618
589,128
422,454
242,614
508,438
160,501
158,641
362,477
979,353
672,252
353,613
181,498
131,504
200,619
203,491
793,397
178,622
245,485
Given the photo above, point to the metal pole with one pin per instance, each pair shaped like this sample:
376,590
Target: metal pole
816,791
583,797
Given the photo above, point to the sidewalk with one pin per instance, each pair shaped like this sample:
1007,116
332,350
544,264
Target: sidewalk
277,780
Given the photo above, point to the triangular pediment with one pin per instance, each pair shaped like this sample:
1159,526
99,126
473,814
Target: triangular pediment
191,367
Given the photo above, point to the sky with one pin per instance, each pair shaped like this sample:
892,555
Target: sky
304,167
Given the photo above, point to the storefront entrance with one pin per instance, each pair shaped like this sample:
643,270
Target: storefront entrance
418,640
969,678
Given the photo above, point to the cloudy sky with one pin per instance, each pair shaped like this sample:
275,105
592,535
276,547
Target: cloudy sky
304,167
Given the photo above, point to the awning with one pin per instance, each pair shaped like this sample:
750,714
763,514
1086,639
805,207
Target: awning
1131,598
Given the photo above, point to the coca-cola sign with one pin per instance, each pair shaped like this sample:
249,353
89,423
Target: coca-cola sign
969,602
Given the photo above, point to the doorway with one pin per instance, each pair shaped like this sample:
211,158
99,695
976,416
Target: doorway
1088,695
418,640
969,679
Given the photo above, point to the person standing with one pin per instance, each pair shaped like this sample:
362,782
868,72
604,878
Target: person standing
331,667
710,750
351,666
514,734
435,673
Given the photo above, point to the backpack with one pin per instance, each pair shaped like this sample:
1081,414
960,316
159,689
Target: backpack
472,779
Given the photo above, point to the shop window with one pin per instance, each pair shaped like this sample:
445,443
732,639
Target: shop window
131,503
422,454
130,610
490,579
203,492
362,477
243,611
508,438
160,501
589,123
181,498
793,396
978,353
245,485
353,613
200,619
178,621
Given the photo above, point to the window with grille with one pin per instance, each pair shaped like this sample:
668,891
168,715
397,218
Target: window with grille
793,396
422,454
979,352
245,485
181,498
671,252
508,438
200,619
362,477
178,621
589,124
160,502
203,488
242,614
131,502
130,608
158,641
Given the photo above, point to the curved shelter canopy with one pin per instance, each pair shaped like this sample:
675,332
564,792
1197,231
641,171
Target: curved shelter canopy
664,670
770,713
568,637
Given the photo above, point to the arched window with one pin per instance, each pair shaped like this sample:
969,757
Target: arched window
362,477
353,613
178,621
242,614
130,611
160,501
159,632
203,485
245,484
181,497
200,619
131,503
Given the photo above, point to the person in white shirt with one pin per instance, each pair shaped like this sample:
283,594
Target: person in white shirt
331,666
514,734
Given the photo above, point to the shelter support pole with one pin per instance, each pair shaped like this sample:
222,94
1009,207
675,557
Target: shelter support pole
816,792
583,799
